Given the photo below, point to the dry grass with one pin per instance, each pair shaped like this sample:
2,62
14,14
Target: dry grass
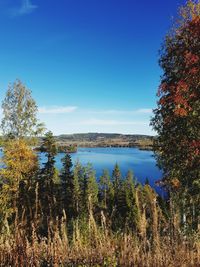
98,246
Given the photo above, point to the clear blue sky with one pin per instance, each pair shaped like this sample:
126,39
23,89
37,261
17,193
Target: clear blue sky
92,65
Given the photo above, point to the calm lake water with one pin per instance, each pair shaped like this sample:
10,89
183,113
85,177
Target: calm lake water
141,162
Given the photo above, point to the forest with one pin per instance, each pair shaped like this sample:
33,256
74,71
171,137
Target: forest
69,218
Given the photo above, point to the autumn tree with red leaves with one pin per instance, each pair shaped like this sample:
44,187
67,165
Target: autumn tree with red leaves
177,116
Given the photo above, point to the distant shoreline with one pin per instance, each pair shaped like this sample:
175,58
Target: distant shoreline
118,146
71,142
142,142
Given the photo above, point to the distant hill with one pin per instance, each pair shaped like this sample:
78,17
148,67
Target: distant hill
96,136
73,141
106,140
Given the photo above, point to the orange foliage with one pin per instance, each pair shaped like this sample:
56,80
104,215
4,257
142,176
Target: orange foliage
194,26
180,112
194,70
162,88
175,183
182,86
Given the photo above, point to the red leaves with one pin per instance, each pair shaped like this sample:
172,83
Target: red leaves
162,88
177,96
177,116
178,99
191,59
181,112
196,147
194,70
162,101
182,106
179,89
182,86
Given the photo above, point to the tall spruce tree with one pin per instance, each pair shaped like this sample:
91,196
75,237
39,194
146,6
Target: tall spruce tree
118,197
130,200
92,188
76,190
48,182
106,190
82,179
67,185
116,177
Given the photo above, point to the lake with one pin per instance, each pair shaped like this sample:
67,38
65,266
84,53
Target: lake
141,162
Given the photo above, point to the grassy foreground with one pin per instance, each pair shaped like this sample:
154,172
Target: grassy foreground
93,245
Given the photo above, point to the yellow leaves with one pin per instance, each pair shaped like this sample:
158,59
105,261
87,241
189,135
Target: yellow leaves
19,163
190,11
19,159
175,183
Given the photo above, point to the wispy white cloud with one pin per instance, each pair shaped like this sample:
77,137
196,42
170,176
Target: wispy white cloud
144,110
26,8
122,112
57,109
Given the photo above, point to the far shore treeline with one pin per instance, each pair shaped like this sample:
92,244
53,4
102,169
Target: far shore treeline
70,142
68,218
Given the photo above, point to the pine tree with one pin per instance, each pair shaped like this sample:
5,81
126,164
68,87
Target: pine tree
81,174
67,185
76,190
116,177
91,188
117,183
130,200
105,189
48,182
118,198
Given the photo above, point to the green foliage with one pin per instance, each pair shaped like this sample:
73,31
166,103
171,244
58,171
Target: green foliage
131,212
92,187
116,177
106,190
1,141
77,190
48,183
49,145
88,186
67,186
117,182
32,204
19,112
